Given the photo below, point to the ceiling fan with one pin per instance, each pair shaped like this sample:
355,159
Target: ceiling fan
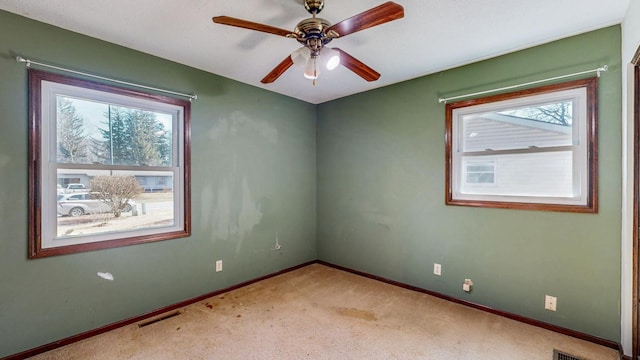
315,33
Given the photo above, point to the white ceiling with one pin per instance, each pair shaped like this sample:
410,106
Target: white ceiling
434,34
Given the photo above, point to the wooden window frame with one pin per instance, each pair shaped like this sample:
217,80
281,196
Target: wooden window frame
36,249
590,122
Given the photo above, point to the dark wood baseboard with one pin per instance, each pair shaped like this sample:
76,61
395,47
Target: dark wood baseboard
135,319
576,334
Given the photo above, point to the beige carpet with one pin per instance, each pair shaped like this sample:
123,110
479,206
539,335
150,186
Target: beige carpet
318,312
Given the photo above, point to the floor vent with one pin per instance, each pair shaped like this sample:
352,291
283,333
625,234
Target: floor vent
160,318
559,355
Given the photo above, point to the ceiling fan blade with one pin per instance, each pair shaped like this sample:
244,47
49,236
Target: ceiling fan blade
357,66
226,20
277,71
381,14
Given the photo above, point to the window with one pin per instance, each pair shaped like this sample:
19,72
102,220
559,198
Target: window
533,149
90,145
479,172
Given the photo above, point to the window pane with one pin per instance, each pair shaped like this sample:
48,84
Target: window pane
560,113
538,126
91,132
531,174
114,201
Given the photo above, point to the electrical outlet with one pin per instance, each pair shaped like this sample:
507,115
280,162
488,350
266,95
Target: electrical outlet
218,265
550,302
437,269
467,285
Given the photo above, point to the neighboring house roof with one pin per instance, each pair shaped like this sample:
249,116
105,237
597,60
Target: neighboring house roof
529,122
495,131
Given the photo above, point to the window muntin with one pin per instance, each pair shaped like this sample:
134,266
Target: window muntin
110,141
541,142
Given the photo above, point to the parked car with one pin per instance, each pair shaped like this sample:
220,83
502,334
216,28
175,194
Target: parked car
74,188
78,204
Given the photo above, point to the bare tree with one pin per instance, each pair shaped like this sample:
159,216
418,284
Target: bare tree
556,113
560,113
116,191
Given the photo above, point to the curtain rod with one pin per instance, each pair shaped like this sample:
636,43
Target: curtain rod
597,71
29,62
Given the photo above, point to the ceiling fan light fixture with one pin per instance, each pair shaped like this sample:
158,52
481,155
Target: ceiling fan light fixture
330,58
333,62
311,69
301,56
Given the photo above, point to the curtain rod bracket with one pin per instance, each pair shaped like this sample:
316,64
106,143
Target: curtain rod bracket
601,69
23,60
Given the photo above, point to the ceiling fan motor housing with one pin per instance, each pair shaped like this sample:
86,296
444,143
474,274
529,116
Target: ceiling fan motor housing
311,33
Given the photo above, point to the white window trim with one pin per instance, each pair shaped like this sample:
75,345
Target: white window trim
49,167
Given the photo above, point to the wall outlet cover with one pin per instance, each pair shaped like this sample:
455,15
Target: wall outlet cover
437,269
550,302
467,285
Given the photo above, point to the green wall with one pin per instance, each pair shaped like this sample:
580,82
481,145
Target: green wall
253,175
378,160
381,196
